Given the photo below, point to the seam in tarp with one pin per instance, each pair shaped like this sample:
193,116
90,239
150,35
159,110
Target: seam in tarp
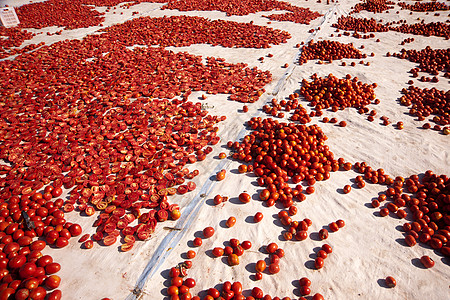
193,208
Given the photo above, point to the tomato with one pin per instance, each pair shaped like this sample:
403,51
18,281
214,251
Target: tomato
214,293
305,290
391,282
233,259
427,261
189,282
177,281
190,254
17,261
172,290
31,283
258,217
333,226
197,242
75,230
258,276
55,295
327,248
246,245
22,294
52,268
208,232
7,293
319,262
244,197
38,293
304,281
52,282
61,242
217,251
301,235
257,293
237,288
11,247
274,268
271,248
231,222
323,234
27,270
56,192
37,245
317,296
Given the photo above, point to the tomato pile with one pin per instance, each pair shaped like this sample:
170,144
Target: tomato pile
427,199
194,30
115,2
337,94
328,50
14,37
245,7
427,29
375,6
371,25
427,102
360,24
69,14
430,60
297,15
424,6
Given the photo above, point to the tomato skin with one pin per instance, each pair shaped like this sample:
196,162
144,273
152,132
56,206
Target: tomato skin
17,261
44,260
38,293
22,294
75,230
6,293
27,270
52,282
427,261
55,295
52,268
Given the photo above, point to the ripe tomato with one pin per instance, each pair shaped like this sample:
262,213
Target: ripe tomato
258,217
75,230
319,262
427,261
52,282
52,268
27,270
244,197
233,259
217,251
231,222
274,268
208,232
271,248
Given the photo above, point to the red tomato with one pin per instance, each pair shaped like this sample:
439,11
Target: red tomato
52,282
38,293
52,268
55,295
27,270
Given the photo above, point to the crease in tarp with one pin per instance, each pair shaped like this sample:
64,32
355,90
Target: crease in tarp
192,209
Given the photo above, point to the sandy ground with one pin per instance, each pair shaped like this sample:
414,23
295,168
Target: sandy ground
365,251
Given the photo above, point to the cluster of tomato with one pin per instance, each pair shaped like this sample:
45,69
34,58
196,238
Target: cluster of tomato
13,37
241,8
375,6
426,102
424,6
25,272
427,199
194,30
328,50
64,13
